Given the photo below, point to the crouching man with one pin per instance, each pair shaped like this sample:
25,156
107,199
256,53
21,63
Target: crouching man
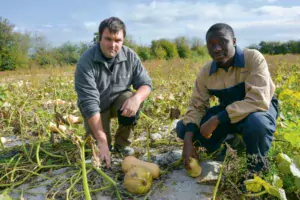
103,77
240,79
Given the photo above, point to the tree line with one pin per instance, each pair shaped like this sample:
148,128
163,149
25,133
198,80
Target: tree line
273,47
21,50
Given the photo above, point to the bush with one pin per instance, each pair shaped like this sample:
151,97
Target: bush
182,47
144,53
164,49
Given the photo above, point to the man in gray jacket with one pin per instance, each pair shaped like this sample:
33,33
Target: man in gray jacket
103,77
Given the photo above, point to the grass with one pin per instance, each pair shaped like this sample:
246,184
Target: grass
25,112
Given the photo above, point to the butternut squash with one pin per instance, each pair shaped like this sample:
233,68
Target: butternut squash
137,180
195,170
131,161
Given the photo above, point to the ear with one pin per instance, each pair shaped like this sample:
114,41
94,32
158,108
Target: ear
234,41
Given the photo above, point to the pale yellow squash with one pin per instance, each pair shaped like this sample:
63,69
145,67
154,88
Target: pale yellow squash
131,161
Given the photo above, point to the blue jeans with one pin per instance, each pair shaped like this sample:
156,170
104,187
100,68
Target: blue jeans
257,130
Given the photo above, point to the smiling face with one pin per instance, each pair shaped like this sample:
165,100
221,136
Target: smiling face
221,46
111,43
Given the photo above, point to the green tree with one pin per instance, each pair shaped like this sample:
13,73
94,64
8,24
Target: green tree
82,48
198,48
144,53
13,47
95,38
129,42
183,48
164,49
253,46
293,46
69,53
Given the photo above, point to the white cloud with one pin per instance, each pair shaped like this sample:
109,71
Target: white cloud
91,26
269,1
47,25
169,19
277,11
252,20
66,30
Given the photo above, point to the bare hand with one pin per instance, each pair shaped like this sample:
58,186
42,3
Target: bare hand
209,127
130,106
104,153
188,151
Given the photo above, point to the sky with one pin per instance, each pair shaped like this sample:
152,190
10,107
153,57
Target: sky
60,21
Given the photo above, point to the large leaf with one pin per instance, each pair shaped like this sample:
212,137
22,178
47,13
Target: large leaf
5,196
297,160
297,182
287,166
272,190
284,163
295,170
281,157
252,185
277,182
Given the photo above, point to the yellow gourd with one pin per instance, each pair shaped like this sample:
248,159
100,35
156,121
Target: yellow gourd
131,161
195,170
137,180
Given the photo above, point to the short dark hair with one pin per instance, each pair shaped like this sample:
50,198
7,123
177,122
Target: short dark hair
218,27
113,24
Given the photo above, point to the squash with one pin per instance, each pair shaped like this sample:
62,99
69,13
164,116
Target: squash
195,170
72,119
131,161
53,128
138,180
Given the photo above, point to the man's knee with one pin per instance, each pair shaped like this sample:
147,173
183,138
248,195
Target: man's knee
258,133
258,124
180,129
128,120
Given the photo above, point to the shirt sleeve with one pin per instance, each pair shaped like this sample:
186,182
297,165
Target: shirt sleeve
198,104
140,75
87,92
259,89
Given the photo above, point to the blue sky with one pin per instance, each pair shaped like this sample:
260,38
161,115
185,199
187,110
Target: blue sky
77,20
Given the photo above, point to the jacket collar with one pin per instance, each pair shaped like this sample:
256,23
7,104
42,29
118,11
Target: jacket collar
239,61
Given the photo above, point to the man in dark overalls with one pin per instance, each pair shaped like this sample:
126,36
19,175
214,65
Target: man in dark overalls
240,79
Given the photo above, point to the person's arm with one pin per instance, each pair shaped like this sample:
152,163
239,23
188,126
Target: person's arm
196,110
142,83
89,105
132,104
98,132
259,92
198,104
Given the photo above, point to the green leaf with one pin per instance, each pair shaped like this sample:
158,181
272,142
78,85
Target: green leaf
295,170
284,163
284,168
297,160
5,197
281,157
277,182
252,186
49,162
293,139
297,182
272,190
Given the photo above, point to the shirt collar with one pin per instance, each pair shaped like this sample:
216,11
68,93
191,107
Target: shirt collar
98,56
239,61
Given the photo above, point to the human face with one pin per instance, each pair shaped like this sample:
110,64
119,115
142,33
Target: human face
111,43
221,46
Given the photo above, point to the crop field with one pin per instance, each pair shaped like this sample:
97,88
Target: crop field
41,134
